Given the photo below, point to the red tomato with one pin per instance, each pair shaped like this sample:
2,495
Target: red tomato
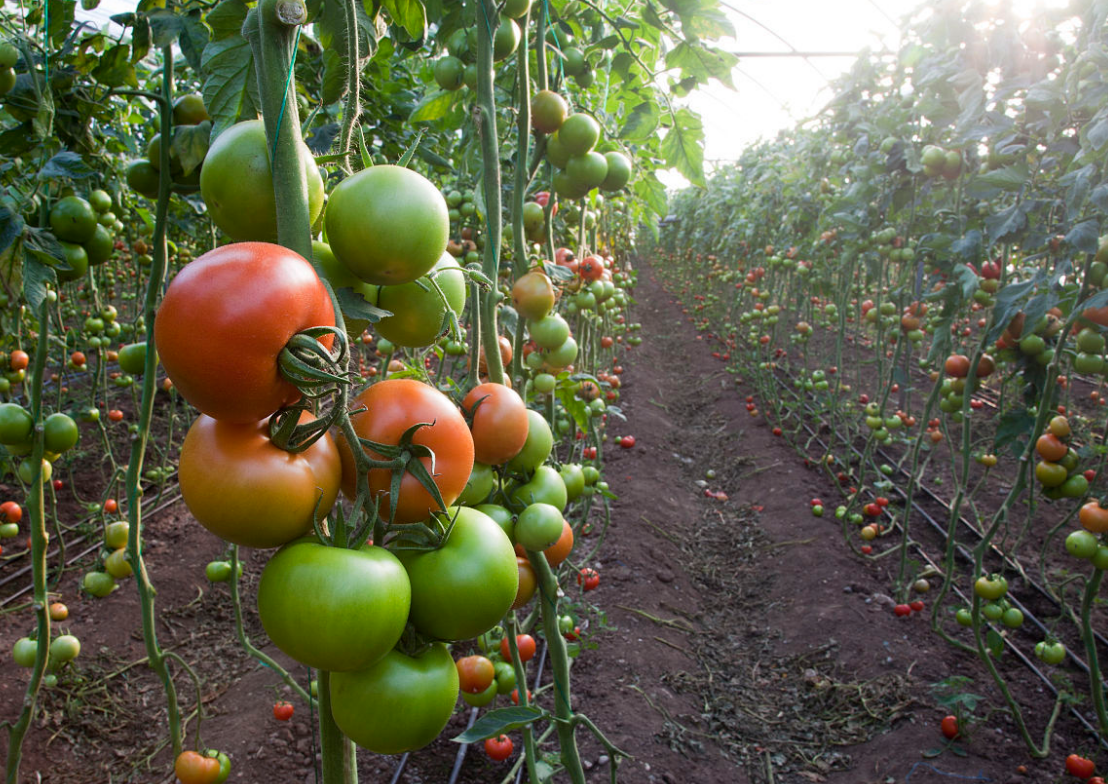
225,319
392,407
282,711
526,645
499,748
246,490
12,511
1080,767
591,268
589,579
627,442
500,423
192,767
475,674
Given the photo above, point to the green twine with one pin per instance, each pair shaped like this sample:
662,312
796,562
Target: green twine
554,30
46,38
285,97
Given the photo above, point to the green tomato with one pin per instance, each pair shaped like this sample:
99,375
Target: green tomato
1012,618
1100,559
991,587
539,526
218,571
64,648
332,608
505,678
399,704
537,446
463,588
481,481
23,652
1082,544
549,332
544,383
132,359
1051,653
15,424
115,534
418,314
503,517
482,699
992,611
546,486
573,476
60,433
964,617
99,584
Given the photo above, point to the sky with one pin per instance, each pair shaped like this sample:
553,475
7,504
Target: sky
771,93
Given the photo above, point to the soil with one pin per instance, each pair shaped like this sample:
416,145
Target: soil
731,639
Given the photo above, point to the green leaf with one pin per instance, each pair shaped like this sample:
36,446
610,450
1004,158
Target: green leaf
702,62
192,39
231,82
434,106
115,68
334,77
11,226
406,158
165,27
1010,178
408,14
497,722
190,142
226,19
683,147
641,123
1013,429
1007,224
355,306
36,277
653,192
65,164
1084,236
994,642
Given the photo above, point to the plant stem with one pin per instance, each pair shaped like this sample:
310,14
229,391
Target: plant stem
272,39
36,513
559,665
146,591
485,115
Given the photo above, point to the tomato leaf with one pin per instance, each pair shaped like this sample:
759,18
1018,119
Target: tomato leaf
11,226
683,146
406,158
190,142
497,722
231,81
408,14
36,276
434,106
1013,429
995,643
65,164
354,305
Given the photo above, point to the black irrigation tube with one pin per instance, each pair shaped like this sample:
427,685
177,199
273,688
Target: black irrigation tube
994,550
966,555
170,499
460,758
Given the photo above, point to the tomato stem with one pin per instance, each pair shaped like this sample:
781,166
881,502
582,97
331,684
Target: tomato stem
37,519
155,653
